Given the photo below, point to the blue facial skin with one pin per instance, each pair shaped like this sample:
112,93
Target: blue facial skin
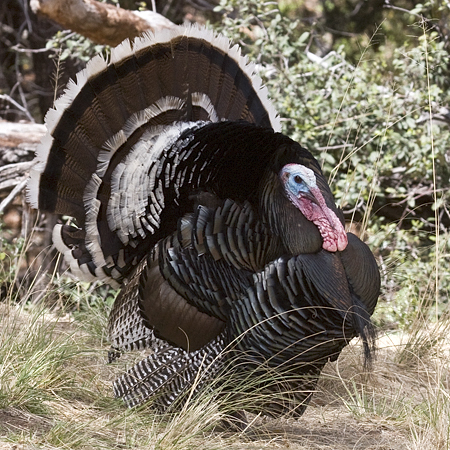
295,185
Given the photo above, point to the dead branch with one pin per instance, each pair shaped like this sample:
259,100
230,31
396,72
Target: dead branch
18,142
100,22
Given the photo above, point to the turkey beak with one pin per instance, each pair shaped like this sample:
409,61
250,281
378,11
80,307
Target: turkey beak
308,195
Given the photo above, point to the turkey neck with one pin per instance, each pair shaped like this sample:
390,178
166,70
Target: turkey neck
292,231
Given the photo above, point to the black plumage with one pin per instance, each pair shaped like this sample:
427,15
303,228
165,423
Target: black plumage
222,232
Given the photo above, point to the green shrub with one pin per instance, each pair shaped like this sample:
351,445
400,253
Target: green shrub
380,129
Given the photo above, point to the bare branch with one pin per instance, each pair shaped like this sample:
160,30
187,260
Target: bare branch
18,188
19,107
100,22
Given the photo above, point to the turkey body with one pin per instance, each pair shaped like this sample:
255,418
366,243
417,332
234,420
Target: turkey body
222,232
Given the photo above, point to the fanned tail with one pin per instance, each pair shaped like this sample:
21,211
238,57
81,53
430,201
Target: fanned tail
131,110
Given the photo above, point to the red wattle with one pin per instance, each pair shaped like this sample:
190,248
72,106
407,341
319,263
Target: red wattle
330,227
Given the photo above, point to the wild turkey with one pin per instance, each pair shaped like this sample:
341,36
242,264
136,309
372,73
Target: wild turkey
282,319
222,231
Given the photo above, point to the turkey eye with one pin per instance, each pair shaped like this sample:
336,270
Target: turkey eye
298,179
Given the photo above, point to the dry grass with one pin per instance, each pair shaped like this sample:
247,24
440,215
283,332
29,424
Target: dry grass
401,404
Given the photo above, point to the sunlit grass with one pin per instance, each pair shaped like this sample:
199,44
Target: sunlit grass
32,356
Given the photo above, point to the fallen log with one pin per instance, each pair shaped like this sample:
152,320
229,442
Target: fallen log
18,142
